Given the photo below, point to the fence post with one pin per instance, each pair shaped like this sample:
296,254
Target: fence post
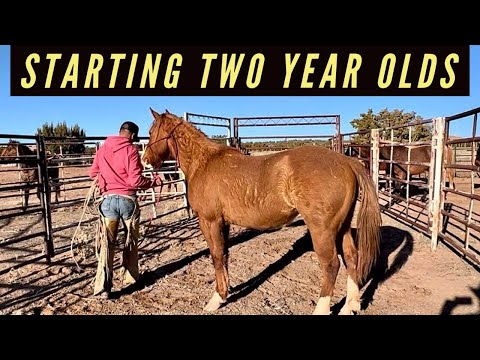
44,189
338,141
375,156
338,134
437,180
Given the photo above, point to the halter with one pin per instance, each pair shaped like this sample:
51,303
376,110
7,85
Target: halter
170,135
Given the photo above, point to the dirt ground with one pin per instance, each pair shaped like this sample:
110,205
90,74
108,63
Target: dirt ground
271,273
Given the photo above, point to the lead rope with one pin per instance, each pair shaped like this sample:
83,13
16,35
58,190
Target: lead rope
156,203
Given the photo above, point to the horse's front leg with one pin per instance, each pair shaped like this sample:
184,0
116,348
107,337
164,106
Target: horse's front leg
399,185
216,232
26,194
56,190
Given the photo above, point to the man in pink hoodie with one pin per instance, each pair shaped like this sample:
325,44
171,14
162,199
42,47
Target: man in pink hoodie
118,170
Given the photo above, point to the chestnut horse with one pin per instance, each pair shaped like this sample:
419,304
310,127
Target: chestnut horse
29,172
267,192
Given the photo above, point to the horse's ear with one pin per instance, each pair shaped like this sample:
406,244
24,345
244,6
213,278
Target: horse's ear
155,114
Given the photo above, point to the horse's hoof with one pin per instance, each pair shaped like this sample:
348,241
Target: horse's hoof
215,302
346,311
317,312
323,306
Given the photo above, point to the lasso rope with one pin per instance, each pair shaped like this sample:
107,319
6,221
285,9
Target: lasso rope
90,206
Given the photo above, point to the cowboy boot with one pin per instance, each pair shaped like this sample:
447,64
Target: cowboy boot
104,277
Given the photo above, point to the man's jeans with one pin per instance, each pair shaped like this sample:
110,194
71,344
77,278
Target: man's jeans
115,207
112,209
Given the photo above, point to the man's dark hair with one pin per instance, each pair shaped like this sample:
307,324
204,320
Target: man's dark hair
133,128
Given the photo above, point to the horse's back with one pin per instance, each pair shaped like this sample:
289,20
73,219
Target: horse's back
302,161
322,184
257,191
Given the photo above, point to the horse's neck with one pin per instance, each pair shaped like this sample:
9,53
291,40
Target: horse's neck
192,149
26,162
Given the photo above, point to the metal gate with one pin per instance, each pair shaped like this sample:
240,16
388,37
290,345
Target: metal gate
450,213
460,213
221,123
333,139
30,156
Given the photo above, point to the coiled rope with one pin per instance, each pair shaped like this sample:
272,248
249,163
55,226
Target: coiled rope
90,207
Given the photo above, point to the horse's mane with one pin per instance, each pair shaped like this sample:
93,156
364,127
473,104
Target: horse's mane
25,150
22,149
167,117
191,133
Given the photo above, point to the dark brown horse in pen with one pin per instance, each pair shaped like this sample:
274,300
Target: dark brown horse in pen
419,154
400,153
363,152
477,157
268,192
29,171
171,178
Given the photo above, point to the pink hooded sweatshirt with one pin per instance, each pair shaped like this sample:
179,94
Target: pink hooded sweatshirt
119,167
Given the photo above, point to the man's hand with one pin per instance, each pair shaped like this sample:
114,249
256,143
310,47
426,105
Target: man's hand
157,181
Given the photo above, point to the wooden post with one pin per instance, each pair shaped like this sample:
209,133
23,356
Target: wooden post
438,140
431,180
375,152
337,147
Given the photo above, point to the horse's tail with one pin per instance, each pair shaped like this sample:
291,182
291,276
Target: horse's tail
369,221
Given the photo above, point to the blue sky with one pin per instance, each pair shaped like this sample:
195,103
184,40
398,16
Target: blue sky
101,116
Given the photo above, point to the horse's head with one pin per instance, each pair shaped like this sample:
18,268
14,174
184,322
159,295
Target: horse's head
11,149
159,148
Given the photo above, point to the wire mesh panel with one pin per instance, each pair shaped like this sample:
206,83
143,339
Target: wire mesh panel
310,129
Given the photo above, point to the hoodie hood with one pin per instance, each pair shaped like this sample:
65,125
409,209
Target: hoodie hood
115,143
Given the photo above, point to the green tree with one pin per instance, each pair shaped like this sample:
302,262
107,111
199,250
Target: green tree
65,139
386,119
366,121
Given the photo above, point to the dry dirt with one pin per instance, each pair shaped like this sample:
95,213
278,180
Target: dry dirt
271,273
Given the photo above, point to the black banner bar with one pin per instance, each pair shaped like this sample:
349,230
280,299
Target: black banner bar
240,70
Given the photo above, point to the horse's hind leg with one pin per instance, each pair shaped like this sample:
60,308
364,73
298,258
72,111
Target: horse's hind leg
326,250
26,194
216,235
350,256
56,190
